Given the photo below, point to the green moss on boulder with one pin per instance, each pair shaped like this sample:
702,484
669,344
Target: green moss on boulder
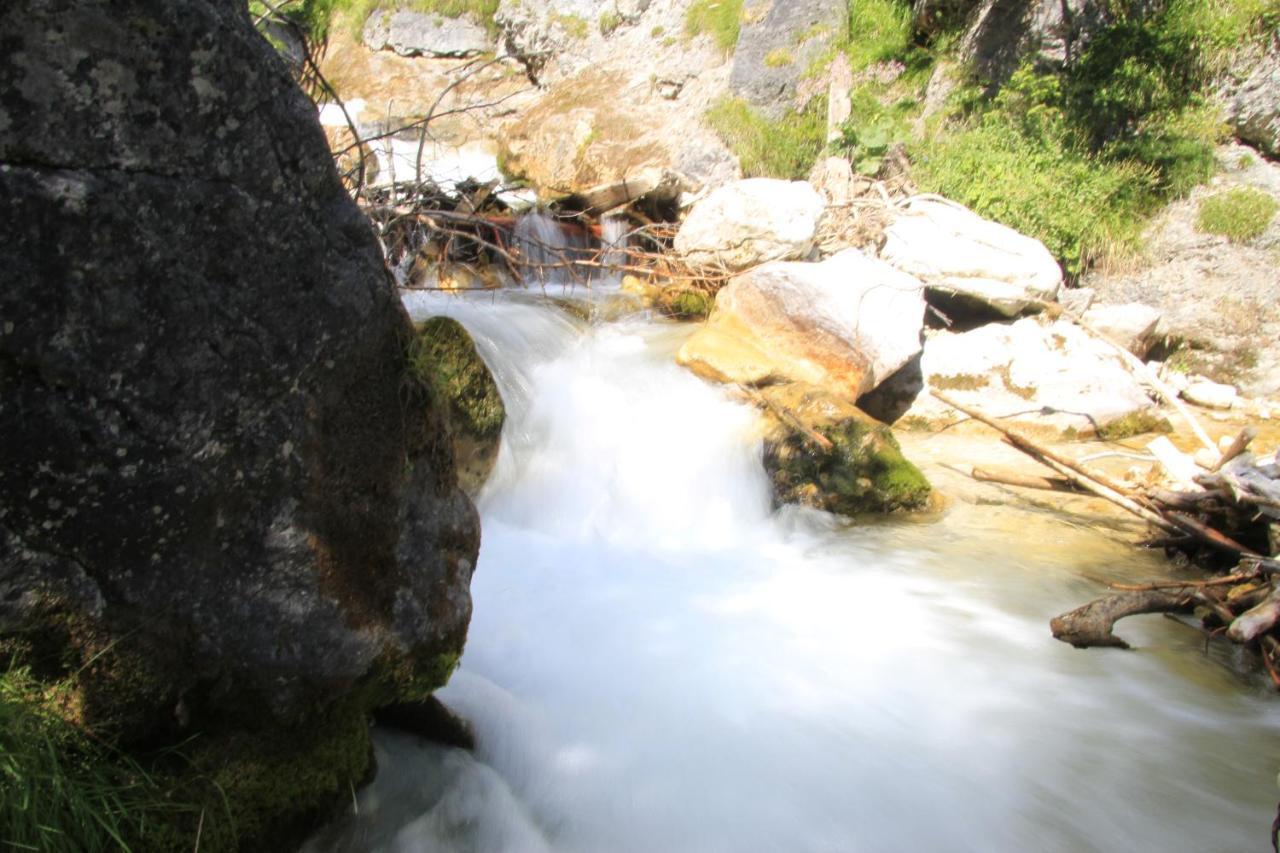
863,470
444,357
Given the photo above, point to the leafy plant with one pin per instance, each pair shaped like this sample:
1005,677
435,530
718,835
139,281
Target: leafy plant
1239,214
786,148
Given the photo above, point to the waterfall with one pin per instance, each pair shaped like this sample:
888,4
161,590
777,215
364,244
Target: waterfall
658,661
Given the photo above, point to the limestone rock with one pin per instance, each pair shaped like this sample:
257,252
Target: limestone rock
411,33
1003,34
1211,395
845,324
860,470
1252,99
777,48
1051,378
750,222
963,257
221,490
1132,325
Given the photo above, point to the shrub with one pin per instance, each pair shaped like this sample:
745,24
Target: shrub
1239,214
786,148
721,19
609,21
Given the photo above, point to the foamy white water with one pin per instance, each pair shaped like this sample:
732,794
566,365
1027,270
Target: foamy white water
657,662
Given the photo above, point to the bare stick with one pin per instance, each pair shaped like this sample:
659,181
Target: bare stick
1026,481
1092,624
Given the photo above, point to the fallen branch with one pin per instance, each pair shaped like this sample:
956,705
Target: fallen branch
1092,624
1026,481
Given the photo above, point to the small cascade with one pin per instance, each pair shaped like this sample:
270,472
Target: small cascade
615,233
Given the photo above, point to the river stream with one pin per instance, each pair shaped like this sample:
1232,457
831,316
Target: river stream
658,661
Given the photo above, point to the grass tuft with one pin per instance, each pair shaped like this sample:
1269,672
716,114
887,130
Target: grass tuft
721,19
1239,215
786,148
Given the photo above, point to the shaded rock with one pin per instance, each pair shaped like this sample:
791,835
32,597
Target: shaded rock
411,33
862,471
1252,98
1050,378
225,502
776,50
963,257
1132,325
444,356
844,324
431,720
750,222
1003,34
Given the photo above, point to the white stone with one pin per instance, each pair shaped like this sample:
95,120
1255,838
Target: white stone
749,222
1211,395
955,251
845,324
410,33
1132,326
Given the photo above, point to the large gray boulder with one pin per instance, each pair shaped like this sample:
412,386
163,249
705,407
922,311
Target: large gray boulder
225,502
1003,34
777,47
1252,98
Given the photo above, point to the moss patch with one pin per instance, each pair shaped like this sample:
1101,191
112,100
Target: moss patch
1135,423
444,355
685,303
863,471
958,382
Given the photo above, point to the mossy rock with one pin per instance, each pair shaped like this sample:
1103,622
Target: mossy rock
444,357
685,303
863,471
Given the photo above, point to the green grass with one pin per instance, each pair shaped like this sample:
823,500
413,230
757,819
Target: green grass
1239,214
878,30
778,58
574,25
610,20
721,19
62,790
786,148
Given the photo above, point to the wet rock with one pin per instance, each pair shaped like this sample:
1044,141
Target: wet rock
444,356
844,324
857,467
777,48
431,720
1132,325
969,260
1049,378
750,222
411,33
225,501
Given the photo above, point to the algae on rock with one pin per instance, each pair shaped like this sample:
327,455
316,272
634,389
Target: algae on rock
862,471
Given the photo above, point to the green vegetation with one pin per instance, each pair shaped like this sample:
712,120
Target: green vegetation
778,58
1135,423
785,148
1239,214
878,30
444,355
574,25
657,31
61,789
610,20
721,19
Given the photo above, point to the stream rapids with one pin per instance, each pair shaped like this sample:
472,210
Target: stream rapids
659,661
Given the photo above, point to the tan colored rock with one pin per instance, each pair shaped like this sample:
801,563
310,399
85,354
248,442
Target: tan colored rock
844,324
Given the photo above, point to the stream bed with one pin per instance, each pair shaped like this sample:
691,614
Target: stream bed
658,661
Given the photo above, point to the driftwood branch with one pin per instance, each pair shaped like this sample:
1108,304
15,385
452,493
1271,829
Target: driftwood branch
1093,624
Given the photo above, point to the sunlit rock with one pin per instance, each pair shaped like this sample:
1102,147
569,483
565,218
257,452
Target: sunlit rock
844,324
963,257
750,222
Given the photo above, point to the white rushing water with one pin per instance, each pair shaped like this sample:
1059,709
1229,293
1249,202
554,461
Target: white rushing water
658,662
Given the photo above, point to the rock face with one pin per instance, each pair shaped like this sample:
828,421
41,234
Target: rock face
860,467
410,33
750,222
777,47
216,468
1253,100
1002,34
845,324
1049,378
1132,325
967,259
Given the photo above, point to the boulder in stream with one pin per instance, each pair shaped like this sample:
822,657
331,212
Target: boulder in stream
845,324
227,505
822,451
